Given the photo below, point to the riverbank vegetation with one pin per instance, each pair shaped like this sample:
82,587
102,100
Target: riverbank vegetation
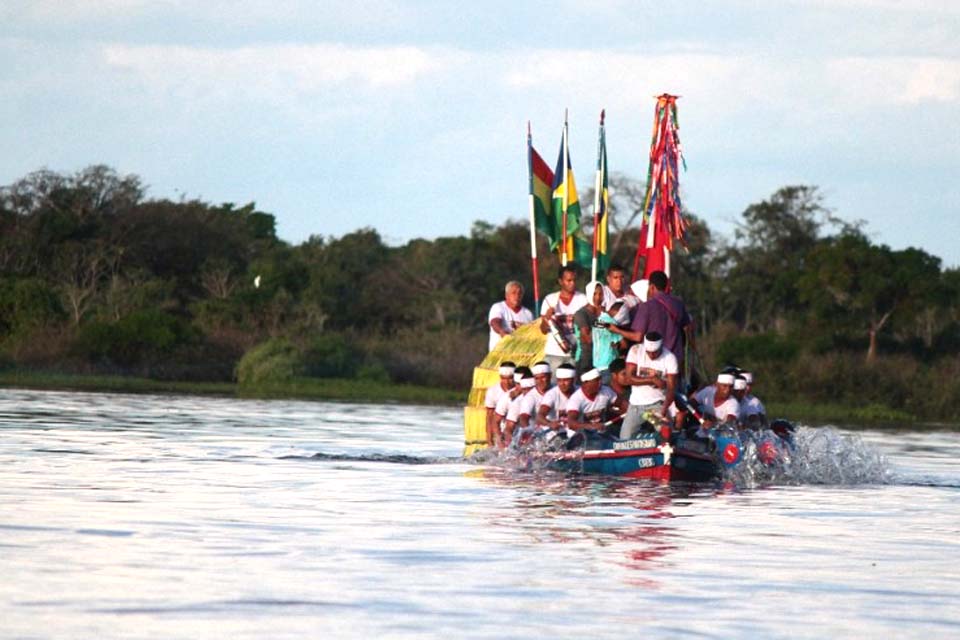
97,279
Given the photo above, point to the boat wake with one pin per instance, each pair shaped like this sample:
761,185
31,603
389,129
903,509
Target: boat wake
391,458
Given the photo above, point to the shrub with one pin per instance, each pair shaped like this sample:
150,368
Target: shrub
331,355
142,337
275,360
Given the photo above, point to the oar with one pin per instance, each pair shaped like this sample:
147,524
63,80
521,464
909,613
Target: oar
683,403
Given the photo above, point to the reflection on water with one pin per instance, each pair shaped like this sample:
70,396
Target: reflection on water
149,516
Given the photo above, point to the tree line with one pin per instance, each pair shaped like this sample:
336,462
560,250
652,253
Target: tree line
95,277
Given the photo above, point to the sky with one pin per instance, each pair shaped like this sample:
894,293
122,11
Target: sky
410,117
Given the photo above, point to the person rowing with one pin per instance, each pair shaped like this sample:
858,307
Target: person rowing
505,400
589,406
512,417
717,403
530,403
491,397
752,412
553,405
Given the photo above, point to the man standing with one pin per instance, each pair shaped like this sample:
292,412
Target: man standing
508,314
652,372
664,313
556,318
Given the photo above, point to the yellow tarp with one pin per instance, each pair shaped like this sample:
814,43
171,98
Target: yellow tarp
522,347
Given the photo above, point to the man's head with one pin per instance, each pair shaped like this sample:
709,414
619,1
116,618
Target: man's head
520,373
506,372
594,291
724,386
615,279
567,278
739,387
658,281
513,294
618,372
526,383
590,383
653,344
541,375
749,378
566,374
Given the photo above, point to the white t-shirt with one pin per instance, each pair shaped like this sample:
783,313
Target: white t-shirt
665,364
511,320
555,401
517,404
563,319
751,406
503,404
493,394
729,407
529,403
588,410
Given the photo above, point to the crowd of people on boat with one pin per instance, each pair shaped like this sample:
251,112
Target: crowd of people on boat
613,362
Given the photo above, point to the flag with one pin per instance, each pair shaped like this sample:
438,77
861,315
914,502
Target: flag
602,206
541,188
576,246
663,220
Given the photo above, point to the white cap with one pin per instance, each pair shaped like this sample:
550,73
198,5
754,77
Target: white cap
739,383
563,373
593,374
506,371
539,369
725,378
527,383
639,289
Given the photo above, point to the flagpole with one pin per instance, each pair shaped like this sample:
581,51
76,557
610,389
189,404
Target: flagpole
566,191
533,223
596,197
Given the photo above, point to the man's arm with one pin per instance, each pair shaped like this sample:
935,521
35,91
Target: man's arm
497,325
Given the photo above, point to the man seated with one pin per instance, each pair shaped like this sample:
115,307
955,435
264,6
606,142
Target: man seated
589,406
503,402
652,373
717,403
528,407
508,314
527,384
490,401
752,412
620,385
553,406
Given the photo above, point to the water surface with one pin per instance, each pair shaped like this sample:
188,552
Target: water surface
129,516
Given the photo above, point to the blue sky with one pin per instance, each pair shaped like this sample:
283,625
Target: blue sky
410,117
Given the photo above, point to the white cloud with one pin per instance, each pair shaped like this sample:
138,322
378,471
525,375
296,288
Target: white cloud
306,68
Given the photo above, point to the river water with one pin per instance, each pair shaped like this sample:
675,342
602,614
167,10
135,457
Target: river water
128,516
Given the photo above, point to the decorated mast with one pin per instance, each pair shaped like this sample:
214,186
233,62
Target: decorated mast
663,220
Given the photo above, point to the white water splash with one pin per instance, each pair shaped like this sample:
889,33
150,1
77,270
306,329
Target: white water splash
818,456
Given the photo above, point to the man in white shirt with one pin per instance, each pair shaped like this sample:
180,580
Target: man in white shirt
553,406
716,401
589,405
527,409
512,417
556,318
493,394
752,412
508,314
652,373
616,289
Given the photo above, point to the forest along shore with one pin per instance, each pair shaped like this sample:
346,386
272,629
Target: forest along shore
96,279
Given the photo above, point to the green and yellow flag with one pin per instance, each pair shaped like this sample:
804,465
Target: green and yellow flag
565,201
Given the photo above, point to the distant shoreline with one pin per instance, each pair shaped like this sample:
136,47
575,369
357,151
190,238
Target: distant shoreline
297,389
